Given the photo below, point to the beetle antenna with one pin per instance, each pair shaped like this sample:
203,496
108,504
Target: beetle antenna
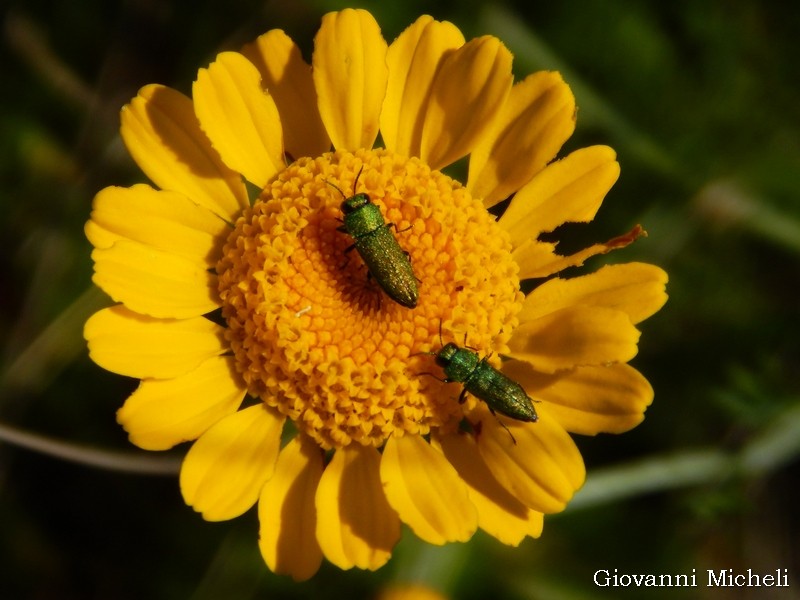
355,181
337,188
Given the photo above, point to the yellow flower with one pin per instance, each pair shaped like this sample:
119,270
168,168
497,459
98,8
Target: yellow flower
409,591
219,299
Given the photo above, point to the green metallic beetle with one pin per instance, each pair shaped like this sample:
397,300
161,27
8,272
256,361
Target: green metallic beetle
482,380
378,248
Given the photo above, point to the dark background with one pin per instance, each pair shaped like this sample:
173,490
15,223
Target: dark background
701,100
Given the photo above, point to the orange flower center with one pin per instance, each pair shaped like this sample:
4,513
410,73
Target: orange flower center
316,337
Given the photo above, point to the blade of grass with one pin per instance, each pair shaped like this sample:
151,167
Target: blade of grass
769,450
531,53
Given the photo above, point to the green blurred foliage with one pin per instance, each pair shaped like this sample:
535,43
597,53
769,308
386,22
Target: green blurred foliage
700,99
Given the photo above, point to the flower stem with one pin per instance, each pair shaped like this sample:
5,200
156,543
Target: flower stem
125,462
35,365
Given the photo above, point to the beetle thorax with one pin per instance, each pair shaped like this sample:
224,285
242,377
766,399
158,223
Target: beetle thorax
354,203
446,354
458,363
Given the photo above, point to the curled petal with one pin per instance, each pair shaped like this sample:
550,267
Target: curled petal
356,527
239,117
225,469
634,288
414,59
425,490
500,514
588,400
286,512
162,134
164,412
471,83
539,259
127,343
541,466
568,191
153,282
537,118
164,220
575,336
350,74
287,78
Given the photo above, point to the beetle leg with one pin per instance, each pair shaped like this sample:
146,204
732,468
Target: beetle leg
435,377
347,251
503,425
388,225
513,439
462,397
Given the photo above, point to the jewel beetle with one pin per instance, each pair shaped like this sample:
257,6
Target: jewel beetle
479,378
386,261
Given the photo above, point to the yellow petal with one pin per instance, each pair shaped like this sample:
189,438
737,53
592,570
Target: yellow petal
472,83
409,591
127,343
499,513
164,220
162,134
350,74
537,118
634,288
153,282
356,527
239,117
425,490
414,59
287,77
568,191
538,259
99,236
164,412
225,469
588,400
541,467
286,512
575,336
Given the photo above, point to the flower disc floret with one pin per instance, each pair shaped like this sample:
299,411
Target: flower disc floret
316,338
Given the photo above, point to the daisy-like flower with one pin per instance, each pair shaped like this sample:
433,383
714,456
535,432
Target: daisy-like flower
301,382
